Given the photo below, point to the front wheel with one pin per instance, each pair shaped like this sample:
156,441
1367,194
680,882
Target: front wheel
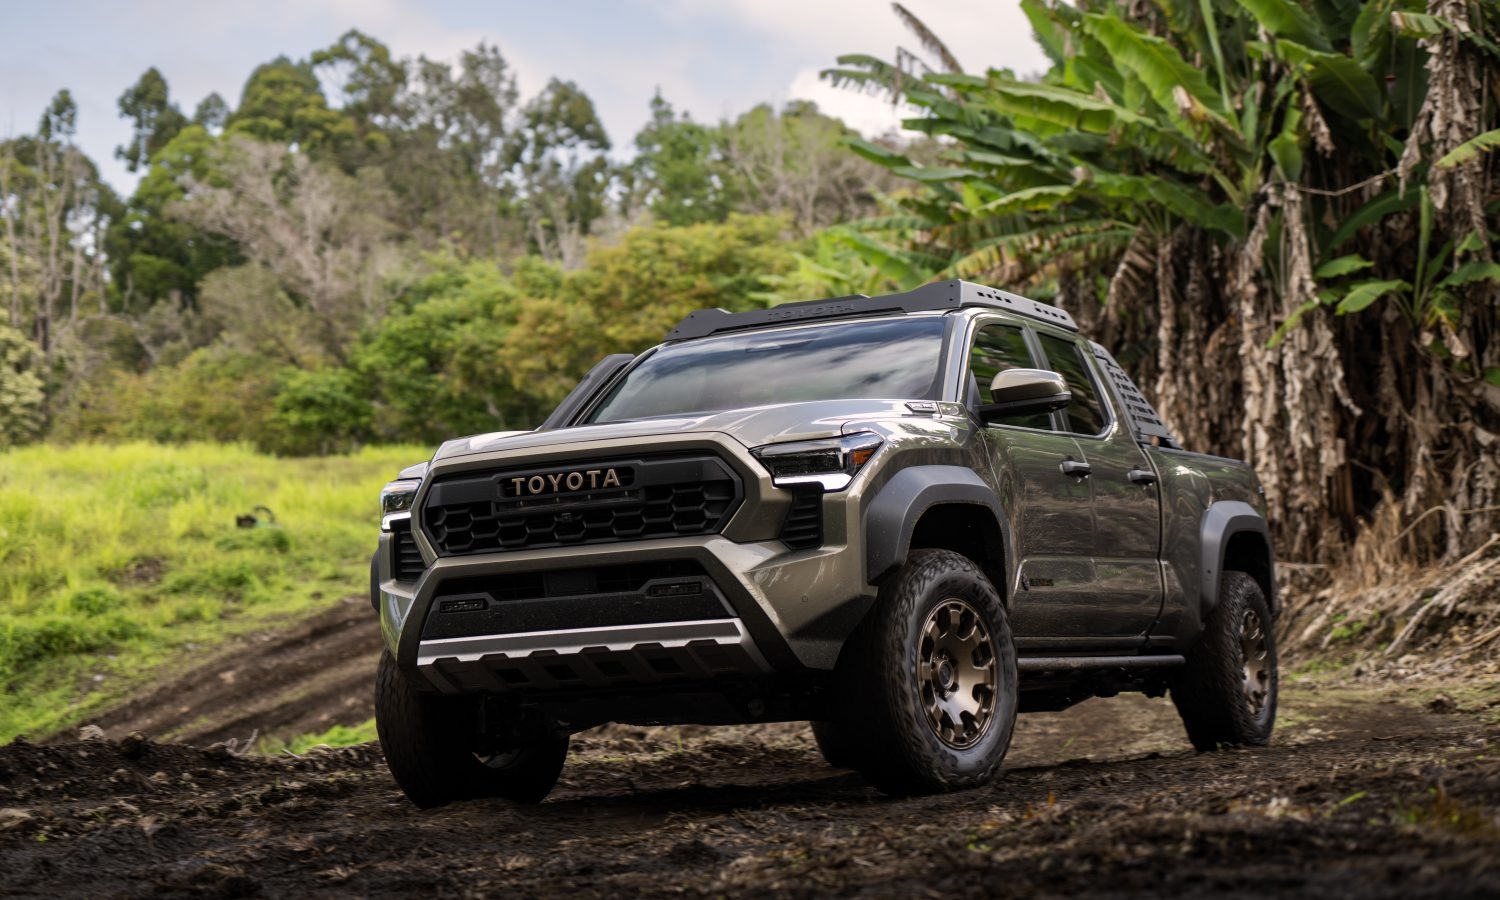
927,682
428,740
1226,694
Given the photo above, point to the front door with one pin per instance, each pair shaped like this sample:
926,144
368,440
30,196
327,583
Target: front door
1051,509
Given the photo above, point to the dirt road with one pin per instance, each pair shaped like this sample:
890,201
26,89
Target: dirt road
1367,791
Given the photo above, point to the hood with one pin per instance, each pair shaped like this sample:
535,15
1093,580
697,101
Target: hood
752,427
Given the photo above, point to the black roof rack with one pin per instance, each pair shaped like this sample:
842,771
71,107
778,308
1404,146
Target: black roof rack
940,295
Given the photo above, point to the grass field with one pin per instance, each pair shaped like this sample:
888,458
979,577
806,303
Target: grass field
117,559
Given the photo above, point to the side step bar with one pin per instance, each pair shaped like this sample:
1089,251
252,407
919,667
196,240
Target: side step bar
1079,663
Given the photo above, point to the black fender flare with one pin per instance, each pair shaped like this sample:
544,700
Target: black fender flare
1222,521
892,516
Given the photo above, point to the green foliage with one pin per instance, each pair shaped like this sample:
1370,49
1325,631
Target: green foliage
433,364
1187,115
627,296
283,103
117,559
319,412
681,172
337,736
155,117
21,395
1470,149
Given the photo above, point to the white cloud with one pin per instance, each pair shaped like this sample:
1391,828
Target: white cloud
871,115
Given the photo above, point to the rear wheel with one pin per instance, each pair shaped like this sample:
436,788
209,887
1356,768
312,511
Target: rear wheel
1226,694
928,681
429,740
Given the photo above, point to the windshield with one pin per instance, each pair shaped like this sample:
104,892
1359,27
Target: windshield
892,359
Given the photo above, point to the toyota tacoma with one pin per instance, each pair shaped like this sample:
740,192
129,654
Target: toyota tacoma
904,519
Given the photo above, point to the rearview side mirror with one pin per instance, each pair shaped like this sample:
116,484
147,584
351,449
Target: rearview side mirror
1025,392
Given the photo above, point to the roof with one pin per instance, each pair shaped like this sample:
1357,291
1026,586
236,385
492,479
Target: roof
941,295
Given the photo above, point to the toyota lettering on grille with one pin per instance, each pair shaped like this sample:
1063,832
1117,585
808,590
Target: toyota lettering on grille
561,482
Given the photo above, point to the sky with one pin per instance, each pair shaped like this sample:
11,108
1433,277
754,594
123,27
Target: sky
712,58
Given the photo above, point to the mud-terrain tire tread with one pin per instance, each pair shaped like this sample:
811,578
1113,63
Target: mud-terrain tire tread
893,745
834,744
1209,689
422,737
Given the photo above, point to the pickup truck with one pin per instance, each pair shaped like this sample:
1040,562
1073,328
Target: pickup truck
903,518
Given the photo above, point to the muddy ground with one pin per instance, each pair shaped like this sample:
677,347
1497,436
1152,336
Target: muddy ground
1368,790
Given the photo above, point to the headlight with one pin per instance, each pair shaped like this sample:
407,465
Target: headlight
395,501
831,463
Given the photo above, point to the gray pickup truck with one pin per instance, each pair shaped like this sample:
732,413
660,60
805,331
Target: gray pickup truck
902,518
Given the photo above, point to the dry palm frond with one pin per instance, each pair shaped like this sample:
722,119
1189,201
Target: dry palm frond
929,40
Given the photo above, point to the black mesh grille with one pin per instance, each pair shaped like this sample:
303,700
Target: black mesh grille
647,498
803,528
1147,423
408,563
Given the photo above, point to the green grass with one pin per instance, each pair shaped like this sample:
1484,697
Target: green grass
337,736
118,559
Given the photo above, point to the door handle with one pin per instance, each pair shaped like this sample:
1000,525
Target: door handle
1074,467
1142,476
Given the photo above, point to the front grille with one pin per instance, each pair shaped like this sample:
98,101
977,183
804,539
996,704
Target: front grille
637,499
803,527
407,565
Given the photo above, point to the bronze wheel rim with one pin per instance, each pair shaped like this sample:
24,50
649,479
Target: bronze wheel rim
957,672
1255,654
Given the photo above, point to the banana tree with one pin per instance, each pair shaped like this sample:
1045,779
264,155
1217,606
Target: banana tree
1239,182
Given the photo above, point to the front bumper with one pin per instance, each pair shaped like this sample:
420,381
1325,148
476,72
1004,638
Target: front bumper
787,610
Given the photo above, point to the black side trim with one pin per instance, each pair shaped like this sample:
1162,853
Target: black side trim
894,513
1079,663
1221,522
571,405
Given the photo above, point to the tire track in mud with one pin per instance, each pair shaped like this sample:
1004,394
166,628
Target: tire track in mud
299,678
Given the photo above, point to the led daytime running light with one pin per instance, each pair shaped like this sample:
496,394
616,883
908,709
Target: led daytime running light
831,463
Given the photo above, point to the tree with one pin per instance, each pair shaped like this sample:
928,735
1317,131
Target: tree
325,236
212,113
55,211
154,256
156,119
22,399
681,172
625,297
283,103
796,161
560,171
1227,182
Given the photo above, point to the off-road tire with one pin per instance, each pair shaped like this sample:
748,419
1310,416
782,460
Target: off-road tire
1211,692
833,744
427,745
882,709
